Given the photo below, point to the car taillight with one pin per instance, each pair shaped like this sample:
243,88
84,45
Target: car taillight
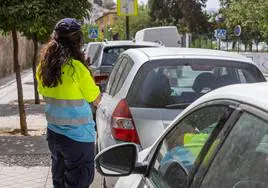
123,127
100,77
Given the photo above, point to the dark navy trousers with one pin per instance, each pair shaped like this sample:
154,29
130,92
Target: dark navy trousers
72,162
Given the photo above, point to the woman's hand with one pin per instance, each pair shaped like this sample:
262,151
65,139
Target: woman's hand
97,100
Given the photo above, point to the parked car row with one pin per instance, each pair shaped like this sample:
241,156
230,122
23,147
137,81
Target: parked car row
162,144
145,92
221,140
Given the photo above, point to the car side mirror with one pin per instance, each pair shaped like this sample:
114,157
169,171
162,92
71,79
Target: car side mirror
119,160
174,174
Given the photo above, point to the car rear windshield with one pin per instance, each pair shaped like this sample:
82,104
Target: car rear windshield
110,54
177,83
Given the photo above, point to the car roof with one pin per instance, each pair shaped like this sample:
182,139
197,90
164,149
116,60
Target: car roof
145,54
255,94
129,43
94,43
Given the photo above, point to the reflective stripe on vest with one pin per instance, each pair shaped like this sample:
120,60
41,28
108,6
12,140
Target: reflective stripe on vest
64,103
62,121
67,112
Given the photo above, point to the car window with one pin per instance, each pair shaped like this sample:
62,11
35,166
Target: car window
91,50
113,75
96,57
125,72
118,76
183,144
165,83
110,54
243,159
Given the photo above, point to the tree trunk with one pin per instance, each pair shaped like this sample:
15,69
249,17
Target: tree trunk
250,47
36,95
23,124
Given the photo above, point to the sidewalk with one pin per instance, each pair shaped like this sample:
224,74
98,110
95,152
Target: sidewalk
17,177
24,160
9,118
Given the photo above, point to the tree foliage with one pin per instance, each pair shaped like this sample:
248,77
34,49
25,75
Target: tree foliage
136,23
188,15
251,15
225,3
42,15
35,19
39,18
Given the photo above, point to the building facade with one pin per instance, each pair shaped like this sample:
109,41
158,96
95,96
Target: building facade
108,19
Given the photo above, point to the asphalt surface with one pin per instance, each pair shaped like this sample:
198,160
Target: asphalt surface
31,151
24,151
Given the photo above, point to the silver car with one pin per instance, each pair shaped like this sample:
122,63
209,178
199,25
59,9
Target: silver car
148,88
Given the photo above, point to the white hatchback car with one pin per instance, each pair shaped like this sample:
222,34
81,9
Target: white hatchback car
221,141
149,87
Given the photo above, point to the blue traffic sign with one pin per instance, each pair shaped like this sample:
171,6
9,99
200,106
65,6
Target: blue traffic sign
237,30
220,33
93,33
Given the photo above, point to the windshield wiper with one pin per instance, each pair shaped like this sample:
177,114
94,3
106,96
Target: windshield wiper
178,105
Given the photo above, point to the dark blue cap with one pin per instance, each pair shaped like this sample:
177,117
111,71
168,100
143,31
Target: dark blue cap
68,25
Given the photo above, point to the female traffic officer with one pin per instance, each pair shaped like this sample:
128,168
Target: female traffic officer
67,87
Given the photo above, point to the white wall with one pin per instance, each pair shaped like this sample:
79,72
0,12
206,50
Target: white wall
26,52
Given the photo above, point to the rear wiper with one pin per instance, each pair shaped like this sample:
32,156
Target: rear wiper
178,105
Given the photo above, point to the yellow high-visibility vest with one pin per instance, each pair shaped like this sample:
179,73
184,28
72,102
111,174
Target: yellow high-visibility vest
67,103
77,83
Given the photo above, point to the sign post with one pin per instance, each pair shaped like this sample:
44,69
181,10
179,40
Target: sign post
220,34
237,32
127,8
93,32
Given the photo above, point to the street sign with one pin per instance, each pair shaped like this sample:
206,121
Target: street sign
127,7
93,32
220,33
237,30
